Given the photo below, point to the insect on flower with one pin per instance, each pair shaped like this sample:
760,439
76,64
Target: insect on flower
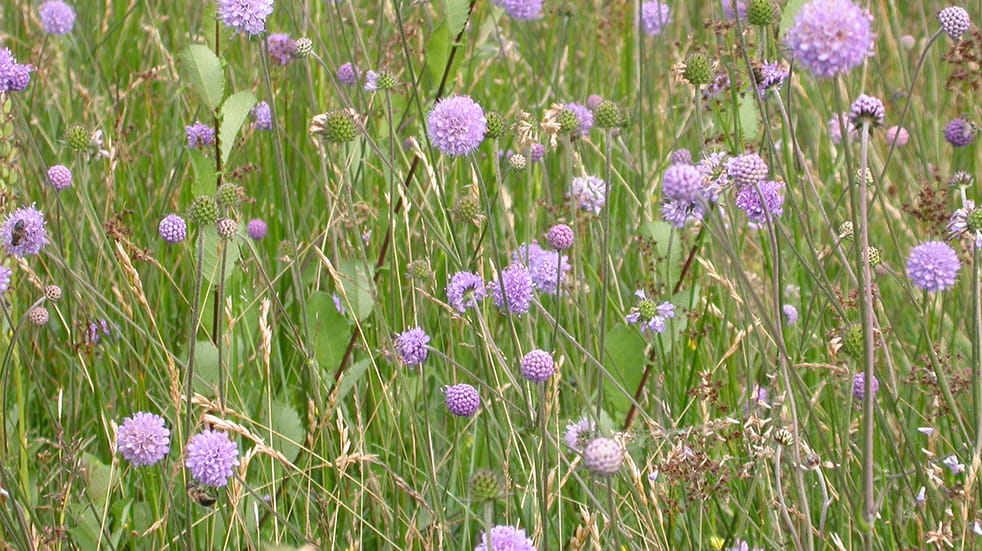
201,494
17,233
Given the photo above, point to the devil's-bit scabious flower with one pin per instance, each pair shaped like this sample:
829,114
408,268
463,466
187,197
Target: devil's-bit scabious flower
714,174
954,21
603,456
770,76
578,434
211,456
281,48
959,132
740,545
523,10
679,213
584,115
866,110
654,17
505,538
456,125
835,129
462,400
897,135
465,290
245,16
537,366
831,37
57,17
536,152
200,135
256,229
262,116
588,193
859,386
143,439
411,346
5,276
746,170
966,222
790,314
172,229
681,182
741,8
14,77
761,201
933,266
23,232
953,464
513,293
560,237
547,268
59,177
680,157
348,74
648,315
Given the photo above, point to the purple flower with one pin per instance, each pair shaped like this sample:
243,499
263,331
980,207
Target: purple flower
5,275
966,222
680,157
547,268
23,232
790,314
245,16
740,545
281,48
681,182
143,439
866,109
933,266
588,193
456,125
200,135
57,17
211,456
859,386
465,290
14,77
679,213
603,456
648,315
583,114
173,229
411,346
741,8
523,10
593,101
897,135
537,366
262,116
746,170
771,76
954,21
713,169
959,132
506,538
560,237
831,37
761,201
371,81
462,400
59,177
536,151
513,293
348,74
580,433
835,129
256,229
654,17
953,465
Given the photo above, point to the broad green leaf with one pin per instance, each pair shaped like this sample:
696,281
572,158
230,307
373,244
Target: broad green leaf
205,367
84,532
330,329
352,376
204,68
287,430
437,53
749,123
97,477
456,15
788,13
625,362
668,247
234,112
205,177
213,254
356,289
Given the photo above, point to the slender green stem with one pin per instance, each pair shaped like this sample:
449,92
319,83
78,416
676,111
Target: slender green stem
866,278
604,266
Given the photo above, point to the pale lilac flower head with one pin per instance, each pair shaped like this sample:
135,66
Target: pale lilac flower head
740,545
714,173
959,132
790,314
603,456
747,169
200,135
580,433
547,268
953,465
761,201
411,346
505,538
23,232
522,10
245,16
831,37
211,456
680,157
587,192
14,77
770,77
465,290
678,213
966,222
584,115
348,74
536,152
537,366
59,177
954,21
262,116
462,399
513,293
593,101
5,276
933,266
741,8
897,135
172,229
143,439
654,17
456,125
256,228
371,81
648,315
859,386
560,237
281,48
57,17
835,129
866,109
681,182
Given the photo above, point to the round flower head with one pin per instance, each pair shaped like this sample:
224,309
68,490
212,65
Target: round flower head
513,293
211,456
523,10
831,37
897,135
859,386
560,237
200,135
588,193
537,366
143,439
14,77
547,268
959,132
173,229
654,17
966,222
593,101
245,16
348,74
583,115
741,8
770,77
59,177
57,17
411,346
281,48
790,314
579,434
746,170
462,400
835,129
866,110
681,157
23,232
256,229
262,116
933,266
954,21
5,275
465,290
761,201
505,538
52,293
38,316
456,125
681,182
603,456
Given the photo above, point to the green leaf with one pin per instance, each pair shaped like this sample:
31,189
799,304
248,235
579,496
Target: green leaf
456,15
205,176
668,247
788,13
205,367
356,289
437,53
749,123
352,376
287,429
625,361
330,329
234,112
97,477
205,70
213,245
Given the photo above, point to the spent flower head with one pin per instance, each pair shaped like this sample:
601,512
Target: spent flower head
603,456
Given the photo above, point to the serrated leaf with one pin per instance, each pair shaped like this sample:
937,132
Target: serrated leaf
205,367
234,112
788,13
356,289
456,15
213,244
205,176
329,327
206,73
625,362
